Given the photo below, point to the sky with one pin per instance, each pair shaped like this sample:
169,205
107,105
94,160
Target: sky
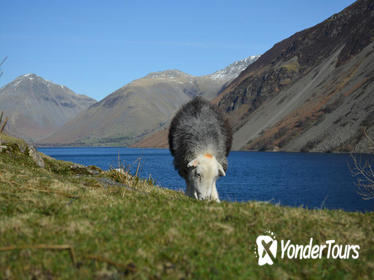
95,47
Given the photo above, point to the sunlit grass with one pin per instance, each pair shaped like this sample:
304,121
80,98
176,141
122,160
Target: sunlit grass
119,225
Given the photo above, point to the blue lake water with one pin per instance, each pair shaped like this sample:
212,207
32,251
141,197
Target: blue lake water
311,180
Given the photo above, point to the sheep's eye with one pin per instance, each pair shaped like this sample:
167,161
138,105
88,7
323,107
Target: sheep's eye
198,175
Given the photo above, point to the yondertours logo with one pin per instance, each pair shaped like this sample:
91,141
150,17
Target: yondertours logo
267,246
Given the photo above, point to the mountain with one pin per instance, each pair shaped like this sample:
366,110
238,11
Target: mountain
141,107
310,92
37,107
313,91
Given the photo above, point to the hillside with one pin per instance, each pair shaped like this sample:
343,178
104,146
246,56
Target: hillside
37,107
310,92
158,139
141,107
68,221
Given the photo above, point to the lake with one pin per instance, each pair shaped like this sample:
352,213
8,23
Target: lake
311,180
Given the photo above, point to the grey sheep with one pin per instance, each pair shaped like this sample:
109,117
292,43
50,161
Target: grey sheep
200,139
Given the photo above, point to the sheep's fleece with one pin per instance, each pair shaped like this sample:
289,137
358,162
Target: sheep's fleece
199,127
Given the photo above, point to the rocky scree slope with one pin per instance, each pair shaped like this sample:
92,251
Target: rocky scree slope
310,92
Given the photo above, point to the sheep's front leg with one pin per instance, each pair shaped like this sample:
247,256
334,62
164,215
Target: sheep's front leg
215,194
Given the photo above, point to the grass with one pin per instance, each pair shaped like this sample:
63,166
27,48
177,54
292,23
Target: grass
78,223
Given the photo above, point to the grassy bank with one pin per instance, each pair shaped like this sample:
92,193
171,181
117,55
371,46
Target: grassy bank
66,221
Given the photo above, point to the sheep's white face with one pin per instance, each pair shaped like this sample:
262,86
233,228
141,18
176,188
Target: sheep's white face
202,175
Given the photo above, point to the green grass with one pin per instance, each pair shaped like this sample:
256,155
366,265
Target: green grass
142,231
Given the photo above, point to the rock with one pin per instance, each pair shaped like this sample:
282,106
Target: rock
36,157
80,169
109,182
85,170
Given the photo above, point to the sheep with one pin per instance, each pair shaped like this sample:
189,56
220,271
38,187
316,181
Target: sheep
200,139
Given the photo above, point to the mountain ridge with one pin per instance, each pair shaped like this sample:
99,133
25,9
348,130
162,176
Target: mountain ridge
139,108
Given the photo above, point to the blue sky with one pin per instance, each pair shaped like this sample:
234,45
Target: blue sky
96,47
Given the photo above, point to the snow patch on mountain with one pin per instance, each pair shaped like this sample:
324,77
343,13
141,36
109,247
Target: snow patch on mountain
234,69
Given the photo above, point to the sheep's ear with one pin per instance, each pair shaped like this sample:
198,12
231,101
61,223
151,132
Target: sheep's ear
193,163
221,172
